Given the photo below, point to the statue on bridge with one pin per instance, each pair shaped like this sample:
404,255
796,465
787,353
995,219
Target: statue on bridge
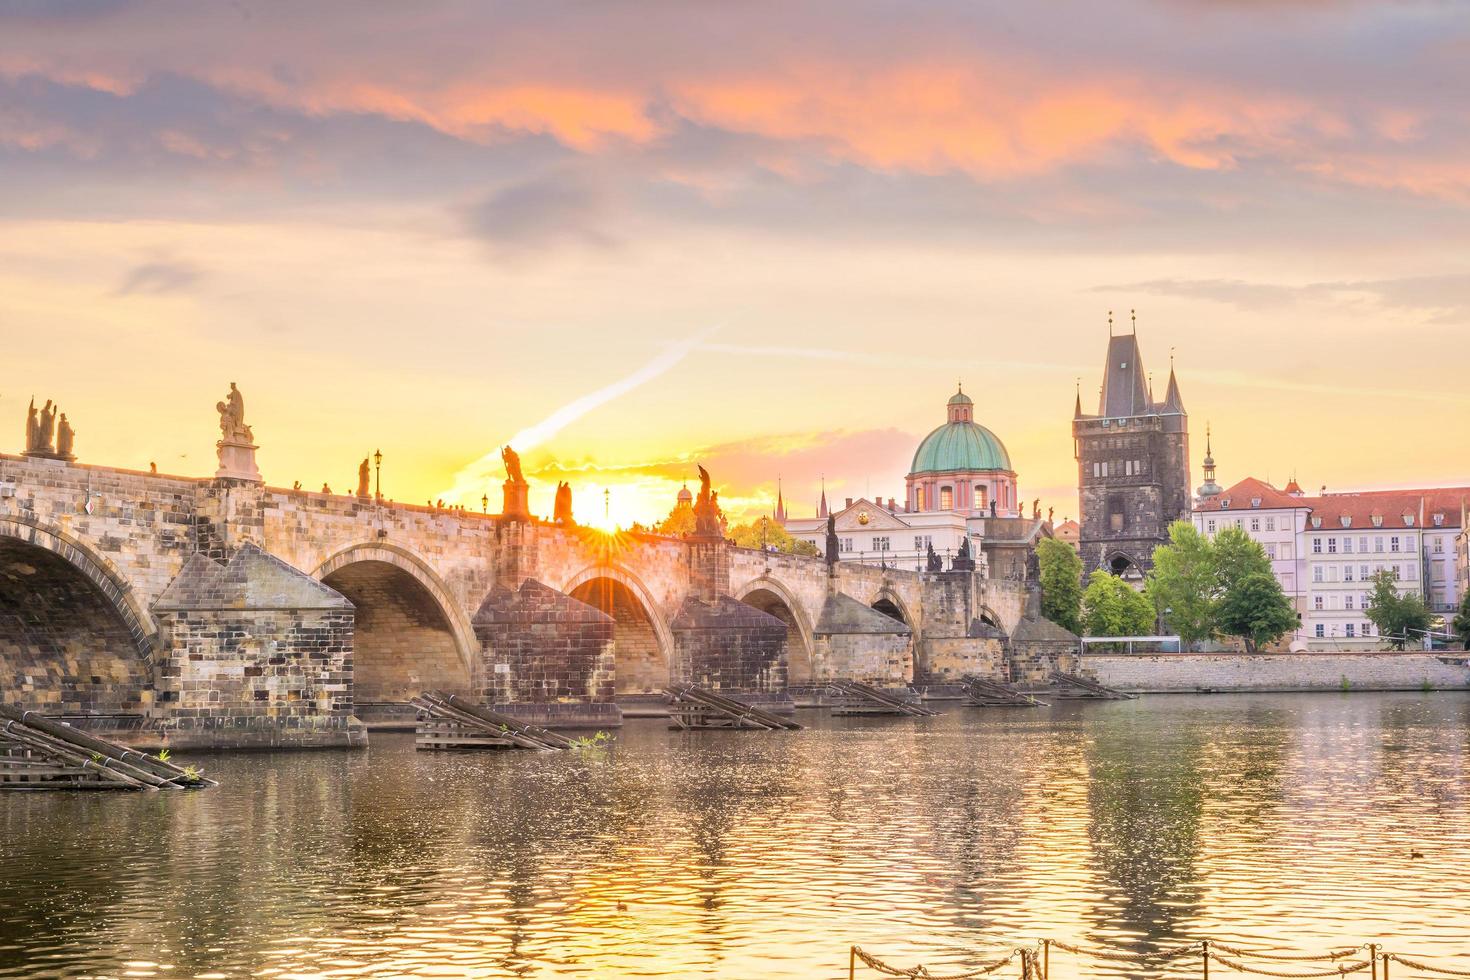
364,487
236,447
833,545
562,509
932,561
41,433
962,562
515,486
232,425
708,521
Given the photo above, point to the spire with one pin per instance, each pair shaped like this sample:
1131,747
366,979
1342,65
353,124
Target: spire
780,504
1173,403
1123,390
1077,412
1209,488
822,507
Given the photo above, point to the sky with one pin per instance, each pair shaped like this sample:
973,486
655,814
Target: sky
766,237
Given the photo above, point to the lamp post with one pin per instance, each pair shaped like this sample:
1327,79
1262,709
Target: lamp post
606,505
485,503
378,474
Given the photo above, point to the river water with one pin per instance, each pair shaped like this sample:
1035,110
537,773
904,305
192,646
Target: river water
1276,821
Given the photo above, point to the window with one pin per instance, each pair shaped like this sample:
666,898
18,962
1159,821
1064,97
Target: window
1347,545
1255,524
1270,523
982,498
1395,573
1271,550
1317,602
1285,549
845,544
1378,544
1351,630
1347,602
1347,573
1320,630
1393,543
1367,629
1362,573
1210,526
1363,544
946,498
880,544
1332,546
1316,573
1411,572
1116,517
1316,546
1439,546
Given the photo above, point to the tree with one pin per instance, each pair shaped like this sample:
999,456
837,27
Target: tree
1111,607
1184,584
1061,583
775,536
1236,557
1461,624
1256,610
679,523
1393,614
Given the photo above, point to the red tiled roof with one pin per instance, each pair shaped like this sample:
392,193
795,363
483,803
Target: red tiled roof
1391,506
1239,497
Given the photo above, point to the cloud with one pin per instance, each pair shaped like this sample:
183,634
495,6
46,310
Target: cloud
159,277
548,211
1444,298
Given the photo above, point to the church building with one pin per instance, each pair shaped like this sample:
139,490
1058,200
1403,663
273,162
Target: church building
1132,466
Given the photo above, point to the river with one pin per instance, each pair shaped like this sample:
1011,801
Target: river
1277,821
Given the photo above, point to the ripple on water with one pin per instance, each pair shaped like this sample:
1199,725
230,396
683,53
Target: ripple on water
1276,822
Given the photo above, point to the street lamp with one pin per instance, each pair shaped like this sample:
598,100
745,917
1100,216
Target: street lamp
378,473
606,506
485,503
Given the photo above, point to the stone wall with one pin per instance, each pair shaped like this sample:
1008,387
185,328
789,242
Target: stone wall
546,658
1220,672
253,654
726,645
950,661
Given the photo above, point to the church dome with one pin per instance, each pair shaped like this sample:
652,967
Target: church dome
960,398
961,445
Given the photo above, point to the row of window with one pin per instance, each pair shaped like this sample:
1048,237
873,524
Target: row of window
1349,630
946,498
1240,523
1395,543
1330,573
1349,601
1119,467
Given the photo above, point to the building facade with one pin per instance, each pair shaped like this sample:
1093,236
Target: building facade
1132,466
1340,541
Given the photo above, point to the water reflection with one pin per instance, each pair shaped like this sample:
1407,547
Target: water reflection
1283,821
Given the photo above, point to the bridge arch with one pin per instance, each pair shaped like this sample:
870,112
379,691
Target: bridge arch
410,633
73,636
773,598
643,645
891,604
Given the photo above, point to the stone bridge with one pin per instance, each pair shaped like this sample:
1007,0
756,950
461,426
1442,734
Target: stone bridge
226,612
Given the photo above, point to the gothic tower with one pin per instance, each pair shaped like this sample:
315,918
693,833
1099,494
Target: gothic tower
1132,465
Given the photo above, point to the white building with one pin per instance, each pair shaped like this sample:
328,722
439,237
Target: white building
872,533
1340,541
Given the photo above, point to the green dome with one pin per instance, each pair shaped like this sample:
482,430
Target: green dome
960,446
960,398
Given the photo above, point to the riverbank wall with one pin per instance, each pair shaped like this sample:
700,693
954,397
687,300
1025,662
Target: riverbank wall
1194,673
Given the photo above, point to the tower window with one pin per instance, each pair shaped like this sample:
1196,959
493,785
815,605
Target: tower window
1116,515
946,498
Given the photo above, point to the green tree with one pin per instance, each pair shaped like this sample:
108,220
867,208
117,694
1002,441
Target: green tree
1461,624
1256,610
1061,583
1184,584
1393,614
1111,607
679,523
775,536
1237,557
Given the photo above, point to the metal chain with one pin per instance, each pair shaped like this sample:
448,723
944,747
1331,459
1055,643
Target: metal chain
1342,969
1416,965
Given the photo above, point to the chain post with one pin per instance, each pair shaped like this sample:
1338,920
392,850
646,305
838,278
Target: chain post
1204,951
1385,966
1045,959
1373,958
851,962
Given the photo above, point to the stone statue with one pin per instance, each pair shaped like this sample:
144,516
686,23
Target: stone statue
932,561
65,436
46,430
561,511
326,488
1049,512
512,460
364,482
232,425
33,427
992,508
708,521
833,547
1036,509
962,562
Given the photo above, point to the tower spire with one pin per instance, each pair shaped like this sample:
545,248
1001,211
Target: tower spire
1209,488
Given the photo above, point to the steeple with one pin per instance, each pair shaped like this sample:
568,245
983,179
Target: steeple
1173,404
822,507
1123,391
1209,488
1077,412
780,514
